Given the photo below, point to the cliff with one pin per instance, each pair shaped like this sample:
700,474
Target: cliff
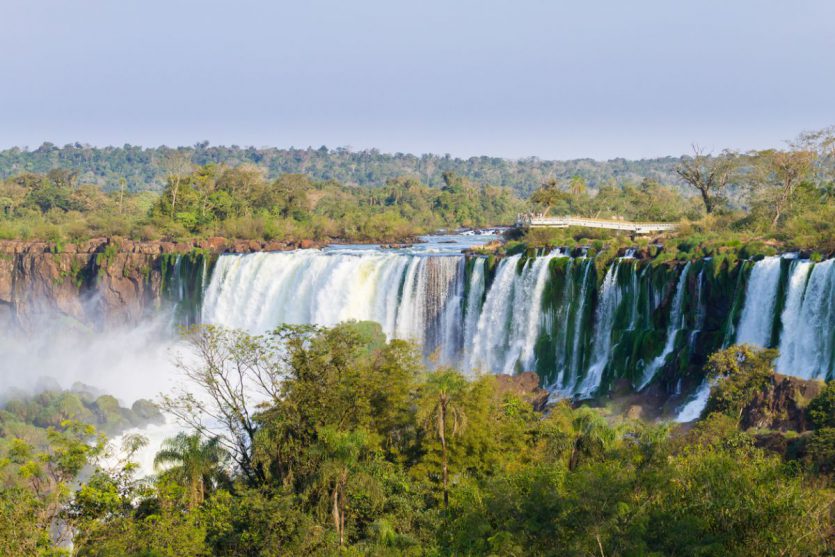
781,404
106,281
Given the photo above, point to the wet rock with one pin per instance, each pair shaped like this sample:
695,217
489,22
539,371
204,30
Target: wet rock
526,386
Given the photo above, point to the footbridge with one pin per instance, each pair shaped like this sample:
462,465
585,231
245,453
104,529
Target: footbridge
541,221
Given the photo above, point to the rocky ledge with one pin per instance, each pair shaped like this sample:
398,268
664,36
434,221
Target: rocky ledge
104,281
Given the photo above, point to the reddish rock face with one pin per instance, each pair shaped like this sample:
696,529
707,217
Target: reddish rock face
214,244
99,283
525,385
781,405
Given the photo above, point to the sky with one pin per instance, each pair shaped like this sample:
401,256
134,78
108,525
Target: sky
547,78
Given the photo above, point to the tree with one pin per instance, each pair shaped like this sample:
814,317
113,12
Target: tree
590,436
577,186
232,371
442,413
342,451
737,373
709,175
778,173
822,408
551,196
196,463
45,475
177,165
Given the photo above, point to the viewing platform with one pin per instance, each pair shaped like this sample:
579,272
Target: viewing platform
541,221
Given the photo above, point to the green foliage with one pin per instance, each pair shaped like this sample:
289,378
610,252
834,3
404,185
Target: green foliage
194,463
149,168
355,448
821,409
738,372
240,202
52,408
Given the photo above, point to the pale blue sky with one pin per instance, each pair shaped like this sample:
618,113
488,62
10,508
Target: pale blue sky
553,79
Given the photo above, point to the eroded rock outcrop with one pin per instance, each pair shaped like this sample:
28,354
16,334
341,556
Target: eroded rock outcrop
781,404
97,283
526,386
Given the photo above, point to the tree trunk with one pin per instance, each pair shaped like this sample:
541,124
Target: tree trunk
342,517
707,200
174,196
778,210
443,453
336,517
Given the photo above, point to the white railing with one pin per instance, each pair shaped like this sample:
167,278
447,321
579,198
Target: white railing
541,221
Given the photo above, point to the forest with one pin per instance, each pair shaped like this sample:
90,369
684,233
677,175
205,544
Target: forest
336,442
149,168
783,197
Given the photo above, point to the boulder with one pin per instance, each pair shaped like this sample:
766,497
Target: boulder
524,385
781,405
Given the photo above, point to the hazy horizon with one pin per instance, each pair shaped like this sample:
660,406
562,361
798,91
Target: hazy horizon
554,80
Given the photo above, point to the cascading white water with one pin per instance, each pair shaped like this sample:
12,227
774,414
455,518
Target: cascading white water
694,407
490,338
808,339
428,297
602,344
566,325
701,311
412,297
511,317
792,316
756,323
675,325
576,360
525,323
472,309
559,325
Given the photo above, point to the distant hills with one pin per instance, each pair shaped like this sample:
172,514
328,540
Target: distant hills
146,168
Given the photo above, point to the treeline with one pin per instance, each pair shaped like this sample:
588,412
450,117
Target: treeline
149,168
241,202
334,441
785,196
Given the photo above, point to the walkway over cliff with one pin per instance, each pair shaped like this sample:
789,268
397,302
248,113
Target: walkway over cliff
541,221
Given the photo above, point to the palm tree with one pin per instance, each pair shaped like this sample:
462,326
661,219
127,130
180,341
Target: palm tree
342,453
827,191
577,186
195,463
591,434
442,413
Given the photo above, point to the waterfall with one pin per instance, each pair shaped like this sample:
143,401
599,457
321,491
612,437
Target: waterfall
472,309
575,360
757,321
676,323
183,278
412,297
542,313
808,319
694,407
509,323
490,339
701,311
602,344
